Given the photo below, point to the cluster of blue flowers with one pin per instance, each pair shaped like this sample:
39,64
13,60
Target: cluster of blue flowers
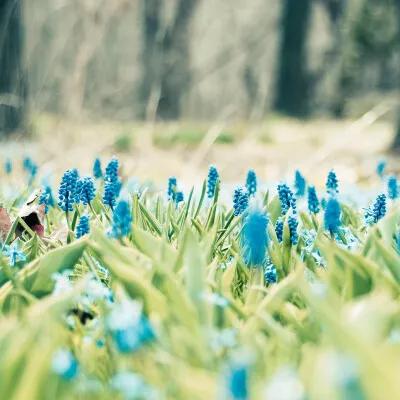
313,202
97,171
377,211
31,168
83,227
112,183
286,198
212,180
332,216
240,201
122,219
393,188
299,184
332,183
173,193
251,183
87,190
67,192
47,198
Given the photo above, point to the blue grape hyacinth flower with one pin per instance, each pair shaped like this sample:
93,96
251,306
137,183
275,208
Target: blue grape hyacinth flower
67,190
332,215
312,200
380,168
179,197
299,184
378,210
240,201
83,227
251,183
285,197
122,219
212,180
254,237
332,183
293,224
47,198
31,168
8,166
172,188
14,254
112,183
393,188
238,382
279,229
65,364
270,274
97,171
87,190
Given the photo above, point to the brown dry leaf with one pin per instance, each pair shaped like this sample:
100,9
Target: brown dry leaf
5,223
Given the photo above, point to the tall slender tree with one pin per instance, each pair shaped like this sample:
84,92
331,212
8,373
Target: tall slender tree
13,87
166,57
292,90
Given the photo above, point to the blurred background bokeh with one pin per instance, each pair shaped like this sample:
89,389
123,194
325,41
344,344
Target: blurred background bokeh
174,85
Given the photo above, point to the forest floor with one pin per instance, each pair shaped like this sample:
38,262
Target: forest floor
274,148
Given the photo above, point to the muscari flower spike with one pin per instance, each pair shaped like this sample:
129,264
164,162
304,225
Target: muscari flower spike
378,210
279,229
212,180
14,254
393,188
122,219
299,184
238,382
112,184
285,197
251,183
30,167
47,198
254,237
240,201
172,188
270,274
64,364
313,202
87,190
178,197
67,190
332,215
83,227
332,184
293,224
97,171
8,167
380,168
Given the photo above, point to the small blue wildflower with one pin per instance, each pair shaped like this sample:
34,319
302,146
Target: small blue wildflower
64,364
212,181
129,328
332,215
178,197
299,184
67,190
8,167
285,197
251,183
254,237
240,201
279,229
293,224
97,172
270,274
172,188
31,168
46,198
87,190
238,382
83,227
378,210
313,202
122,219
14,254
112,184
332,184
380,168
393,188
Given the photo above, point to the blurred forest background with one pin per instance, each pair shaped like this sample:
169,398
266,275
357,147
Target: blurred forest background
199,60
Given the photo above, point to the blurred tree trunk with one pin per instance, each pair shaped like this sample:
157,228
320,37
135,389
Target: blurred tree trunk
396,141
292,91
13,88
166,58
